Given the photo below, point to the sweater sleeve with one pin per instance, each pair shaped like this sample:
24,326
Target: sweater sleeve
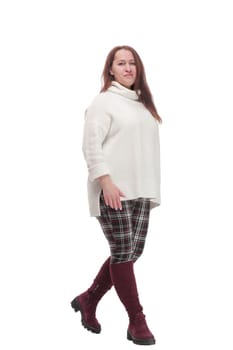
96,127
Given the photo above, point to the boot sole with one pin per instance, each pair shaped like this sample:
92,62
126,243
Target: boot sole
77,307
137,341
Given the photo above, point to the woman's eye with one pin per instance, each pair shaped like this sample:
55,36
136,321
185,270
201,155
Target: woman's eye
123,63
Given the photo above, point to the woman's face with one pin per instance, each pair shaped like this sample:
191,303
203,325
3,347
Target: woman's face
124,68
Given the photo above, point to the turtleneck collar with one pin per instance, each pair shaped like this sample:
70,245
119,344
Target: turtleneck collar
123,91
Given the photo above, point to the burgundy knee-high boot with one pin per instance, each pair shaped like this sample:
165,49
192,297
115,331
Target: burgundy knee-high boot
123,278
87,302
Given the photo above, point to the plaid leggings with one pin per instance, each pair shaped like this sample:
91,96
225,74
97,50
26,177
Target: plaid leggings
125,229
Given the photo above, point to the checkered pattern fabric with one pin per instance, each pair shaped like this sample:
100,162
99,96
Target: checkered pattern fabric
125,229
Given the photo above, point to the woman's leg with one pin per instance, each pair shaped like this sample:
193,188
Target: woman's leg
117,228
125,231
126,287
87,302
140,223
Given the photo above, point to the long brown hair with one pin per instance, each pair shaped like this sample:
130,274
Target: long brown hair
140,86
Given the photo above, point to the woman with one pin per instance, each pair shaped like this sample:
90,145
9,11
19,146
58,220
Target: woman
121,148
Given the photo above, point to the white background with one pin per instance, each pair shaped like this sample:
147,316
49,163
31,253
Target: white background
52,56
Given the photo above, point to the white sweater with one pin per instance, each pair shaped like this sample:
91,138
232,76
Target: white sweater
121,138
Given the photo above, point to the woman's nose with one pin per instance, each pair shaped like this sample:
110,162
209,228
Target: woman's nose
127,67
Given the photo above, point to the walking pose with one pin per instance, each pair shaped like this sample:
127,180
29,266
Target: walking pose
122,152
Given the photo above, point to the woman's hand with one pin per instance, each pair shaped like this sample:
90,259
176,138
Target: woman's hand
111,192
